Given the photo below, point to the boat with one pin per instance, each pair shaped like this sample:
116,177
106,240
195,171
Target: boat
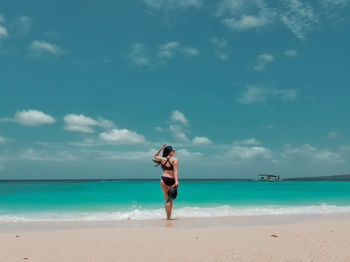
268,177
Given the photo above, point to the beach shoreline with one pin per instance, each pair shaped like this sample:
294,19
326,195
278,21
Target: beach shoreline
258,238
175,222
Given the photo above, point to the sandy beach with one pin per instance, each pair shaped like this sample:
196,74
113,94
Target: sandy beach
213,239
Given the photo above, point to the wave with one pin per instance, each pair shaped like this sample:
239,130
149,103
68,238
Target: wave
184,212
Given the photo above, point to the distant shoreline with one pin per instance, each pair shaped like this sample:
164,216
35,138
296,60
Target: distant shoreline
316,178
321,178
122,179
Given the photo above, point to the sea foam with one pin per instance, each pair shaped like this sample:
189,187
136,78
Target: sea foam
183,212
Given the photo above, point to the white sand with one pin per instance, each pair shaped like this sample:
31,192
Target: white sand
216,239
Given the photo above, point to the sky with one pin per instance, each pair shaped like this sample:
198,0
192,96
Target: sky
92,89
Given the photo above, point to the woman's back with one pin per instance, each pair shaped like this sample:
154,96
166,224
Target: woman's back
167,165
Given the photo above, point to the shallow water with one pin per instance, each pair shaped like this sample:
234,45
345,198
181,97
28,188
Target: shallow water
142,199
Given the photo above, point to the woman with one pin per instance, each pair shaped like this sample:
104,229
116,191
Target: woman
169,176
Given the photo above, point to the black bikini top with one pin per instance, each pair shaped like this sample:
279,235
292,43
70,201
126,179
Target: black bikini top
171,167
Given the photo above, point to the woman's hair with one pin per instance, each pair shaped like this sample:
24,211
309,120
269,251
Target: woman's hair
166,152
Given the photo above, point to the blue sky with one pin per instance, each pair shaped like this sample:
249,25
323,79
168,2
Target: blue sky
93,89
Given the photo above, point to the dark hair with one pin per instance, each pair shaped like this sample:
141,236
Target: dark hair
166,152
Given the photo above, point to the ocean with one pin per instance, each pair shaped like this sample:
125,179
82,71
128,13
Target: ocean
110,200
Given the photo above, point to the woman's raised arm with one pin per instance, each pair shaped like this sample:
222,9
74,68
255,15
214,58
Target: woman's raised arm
155,156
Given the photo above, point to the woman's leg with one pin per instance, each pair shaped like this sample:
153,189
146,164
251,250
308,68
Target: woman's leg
171,206
166,205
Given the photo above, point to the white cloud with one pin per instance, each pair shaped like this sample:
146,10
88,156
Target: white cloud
247,142
220,45
122,136
244,15
138,55
21,25
218,42
262,60
173,4
330,3
231,7
246,22
201,140
178,133
85,124
170,45
332,11
3,32
222,56
130,155
45,155
2,139
79,123
168,50
299,17
178,127
249,152
254,94
184,153
247,149
33,118
142,56
179,130
333,134
105,123
190,51
341,2
177,116
42,48
310,152
159,129
291,52
7,119
268,127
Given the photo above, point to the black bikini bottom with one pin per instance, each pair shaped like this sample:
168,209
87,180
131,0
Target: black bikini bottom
168,180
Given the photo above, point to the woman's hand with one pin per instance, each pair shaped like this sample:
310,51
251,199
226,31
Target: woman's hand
163,146
176,184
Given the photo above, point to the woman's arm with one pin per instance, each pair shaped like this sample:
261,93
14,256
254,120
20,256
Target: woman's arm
156,155
175,173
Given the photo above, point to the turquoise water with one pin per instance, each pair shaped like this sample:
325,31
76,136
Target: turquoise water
140,199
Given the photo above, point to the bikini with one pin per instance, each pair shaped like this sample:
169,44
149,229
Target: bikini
168,180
